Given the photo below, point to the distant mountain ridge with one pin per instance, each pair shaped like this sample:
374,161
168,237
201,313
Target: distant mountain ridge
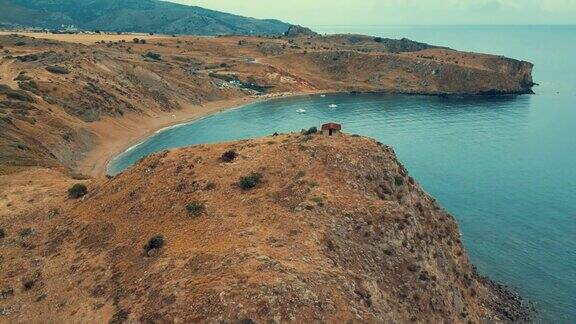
132,16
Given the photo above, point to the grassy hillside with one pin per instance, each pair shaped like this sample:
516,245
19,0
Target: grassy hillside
132,16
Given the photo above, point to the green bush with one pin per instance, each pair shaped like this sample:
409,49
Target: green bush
210,186
57,69
229,156
311,130
399,181
2,233
154,56
250,181
156,242
194,208
78,190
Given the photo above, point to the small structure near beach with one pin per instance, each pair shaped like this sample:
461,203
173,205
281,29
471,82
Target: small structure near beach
331,129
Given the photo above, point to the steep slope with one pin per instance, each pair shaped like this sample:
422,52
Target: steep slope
334,230
132,16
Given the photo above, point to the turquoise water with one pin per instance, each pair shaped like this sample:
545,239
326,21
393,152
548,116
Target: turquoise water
503,166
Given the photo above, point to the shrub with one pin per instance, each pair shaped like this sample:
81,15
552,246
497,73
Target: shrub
399,181
154,56
250,181
194,208
229,156
156,242
28,284
299,175
378,39
311,130
20,43
142,41
78,190
57,69
25,232
210,186
136,41
2,233
318,200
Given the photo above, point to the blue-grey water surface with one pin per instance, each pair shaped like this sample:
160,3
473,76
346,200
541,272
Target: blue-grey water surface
505,167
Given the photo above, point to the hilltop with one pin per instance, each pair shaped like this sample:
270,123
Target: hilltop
73,101
149,16
323,229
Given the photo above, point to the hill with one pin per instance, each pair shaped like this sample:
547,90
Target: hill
304,228
61,100
150,16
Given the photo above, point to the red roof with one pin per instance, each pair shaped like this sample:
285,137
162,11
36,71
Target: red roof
332,126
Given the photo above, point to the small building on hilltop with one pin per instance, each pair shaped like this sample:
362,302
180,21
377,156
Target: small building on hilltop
331,129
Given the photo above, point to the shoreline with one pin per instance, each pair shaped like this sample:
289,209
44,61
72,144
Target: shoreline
114,136
94,165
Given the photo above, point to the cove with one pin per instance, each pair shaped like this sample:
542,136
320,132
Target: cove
503,166
494,162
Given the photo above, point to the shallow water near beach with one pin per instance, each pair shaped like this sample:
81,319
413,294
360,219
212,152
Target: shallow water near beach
503,166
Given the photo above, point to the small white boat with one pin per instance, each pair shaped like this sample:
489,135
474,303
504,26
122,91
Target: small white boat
301,111
333,106
322,95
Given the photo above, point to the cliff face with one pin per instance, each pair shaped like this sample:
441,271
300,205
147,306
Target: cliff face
332,229
71,95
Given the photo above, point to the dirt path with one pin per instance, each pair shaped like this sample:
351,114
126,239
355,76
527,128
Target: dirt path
7,74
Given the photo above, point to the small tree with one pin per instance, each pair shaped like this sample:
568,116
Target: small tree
311,130
78,190
229,156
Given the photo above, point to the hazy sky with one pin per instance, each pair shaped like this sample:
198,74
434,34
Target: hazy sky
383,12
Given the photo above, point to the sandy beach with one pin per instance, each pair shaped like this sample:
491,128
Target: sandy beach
114,135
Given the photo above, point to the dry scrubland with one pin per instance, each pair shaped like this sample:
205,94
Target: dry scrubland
296,227
331,229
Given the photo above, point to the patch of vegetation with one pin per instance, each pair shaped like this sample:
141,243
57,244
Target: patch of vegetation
136,40
57,69
299,175
318,200
307,138
2,233
378,39
194,208
398,181
78,190
20,43
311,130
25,232
229,156
15,94
155,242
153,56
28,284
250,181
211,185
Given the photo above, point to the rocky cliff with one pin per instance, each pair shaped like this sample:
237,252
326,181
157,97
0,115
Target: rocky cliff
303,228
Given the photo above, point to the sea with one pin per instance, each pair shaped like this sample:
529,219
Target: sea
504,166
